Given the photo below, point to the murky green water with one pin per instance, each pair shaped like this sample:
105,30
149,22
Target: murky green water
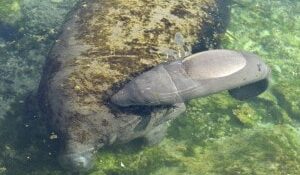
218,135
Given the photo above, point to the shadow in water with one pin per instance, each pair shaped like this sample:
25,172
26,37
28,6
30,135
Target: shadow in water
8,32
24,140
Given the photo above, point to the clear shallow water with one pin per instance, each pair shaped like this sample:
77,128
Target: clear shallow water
217,136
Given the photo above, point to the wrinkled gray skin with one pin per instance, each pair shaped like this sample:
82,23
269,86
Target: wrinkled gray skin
198,75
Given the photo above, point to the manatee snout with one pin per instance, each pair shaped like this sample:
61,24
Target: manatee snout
77,162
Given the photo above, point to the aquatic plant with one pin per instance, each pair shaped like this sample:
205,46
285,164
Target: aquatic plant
275,37
130,160
266,149
9,11
246,115
262,150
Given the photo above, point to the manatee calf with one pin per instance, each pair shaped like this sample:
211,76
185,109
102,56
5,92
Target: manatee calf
104,45
198,75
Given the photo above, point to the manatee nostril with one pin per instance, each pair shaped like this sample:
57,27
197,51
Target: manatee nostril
81,162
78,162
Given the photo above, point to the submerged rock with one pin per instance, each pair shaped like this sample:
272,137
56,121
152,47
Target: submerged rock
103,45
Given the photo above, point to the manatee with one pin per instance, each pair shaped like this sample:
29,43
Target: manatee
195,76
102,46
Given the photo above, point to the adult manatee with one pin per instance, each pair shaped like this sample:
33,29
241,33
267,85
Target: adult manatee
103,45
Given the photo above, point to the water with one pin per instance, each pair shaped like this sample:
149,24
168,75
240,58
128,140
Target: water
218,135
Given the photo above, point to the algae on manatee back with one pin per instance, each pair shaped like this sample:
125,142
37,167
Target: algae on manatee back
134,39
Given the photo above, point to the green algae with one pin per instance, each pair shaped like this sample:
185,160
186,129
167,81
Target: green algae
208,118
246,115
261,150
10,11
288,99
128,161
25,142
265,149
276,39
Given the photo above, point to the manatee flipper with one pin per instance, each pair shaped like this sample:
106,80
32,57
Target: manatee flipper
157,134
197,75
250,90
